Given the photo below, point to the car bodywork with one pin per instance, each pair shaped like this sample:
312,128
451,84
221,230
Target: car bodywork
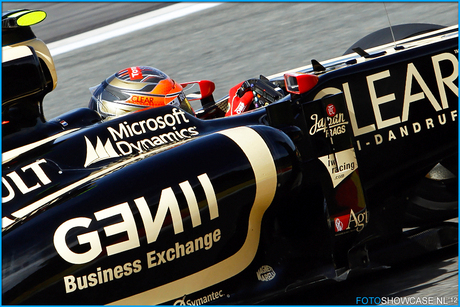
161,207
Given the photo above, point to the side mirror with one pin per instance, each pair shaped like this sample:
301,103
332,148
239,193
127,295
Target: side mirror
299,83
199,90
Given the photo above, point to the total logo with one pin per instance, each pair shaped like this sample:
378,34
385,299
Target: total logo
119,143
135,73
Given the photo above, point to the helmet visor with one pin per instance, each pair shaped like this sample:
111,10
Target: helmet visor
181,101
108,105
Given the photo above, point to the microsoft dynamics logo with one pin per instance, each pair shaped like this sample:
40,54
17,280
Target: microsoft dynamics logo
99,152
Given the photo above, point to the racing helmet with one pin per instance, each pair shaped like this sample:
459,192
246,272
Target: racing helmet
136,88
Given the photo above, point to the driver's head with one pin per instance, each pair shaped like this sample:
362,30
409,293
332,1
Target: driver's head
136,88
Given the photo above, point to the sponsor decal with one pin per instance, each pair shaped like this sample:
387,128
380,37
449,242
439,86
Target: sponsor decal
153,259
30,208
179,250
330,126
152,101
338,225
409,129
240,108
151,223
330,109
157,131
351,221
444,71
135,73
199,301
340,164
101,276
99,152
14,179
266,273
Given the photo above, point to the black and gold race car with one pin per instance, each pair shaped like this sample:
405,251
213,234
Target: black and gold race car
342,166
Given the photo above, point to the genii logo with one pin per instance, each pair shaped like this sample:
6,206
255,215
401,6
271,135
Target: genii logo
152,224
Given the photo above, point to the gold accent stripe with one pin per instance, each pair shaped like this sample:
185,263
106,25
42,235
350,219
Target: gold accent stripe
14,53
261,160
10,155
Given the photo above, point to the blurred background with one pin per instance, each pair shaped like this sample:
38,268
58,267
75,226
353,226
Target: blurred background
226,44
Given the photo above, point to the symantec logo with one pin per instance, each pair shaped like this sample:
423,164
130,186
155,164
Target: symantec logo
199,301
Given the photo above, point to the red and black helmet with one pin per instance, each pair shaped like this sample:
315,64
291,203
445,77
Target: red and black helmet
136,88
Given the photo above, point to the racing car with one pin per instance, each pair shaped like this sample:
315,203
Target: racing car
337,167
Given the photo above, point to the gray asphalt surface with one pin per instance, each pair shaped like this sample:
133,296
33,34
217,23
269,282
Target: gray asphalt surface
67,19
432,279
228,44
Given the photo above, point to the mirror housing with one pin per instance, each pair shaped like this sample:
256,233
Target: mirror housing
203,92
299,83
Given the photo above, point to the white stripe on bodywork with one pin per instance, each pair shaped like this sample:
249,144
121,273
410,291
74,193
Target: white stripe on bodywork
14,53
261,160
210,196
11,154
192,203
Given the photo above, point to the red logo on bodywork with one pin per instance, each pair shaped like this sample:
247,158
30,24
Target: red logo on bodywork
135,73
330,109
341,222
